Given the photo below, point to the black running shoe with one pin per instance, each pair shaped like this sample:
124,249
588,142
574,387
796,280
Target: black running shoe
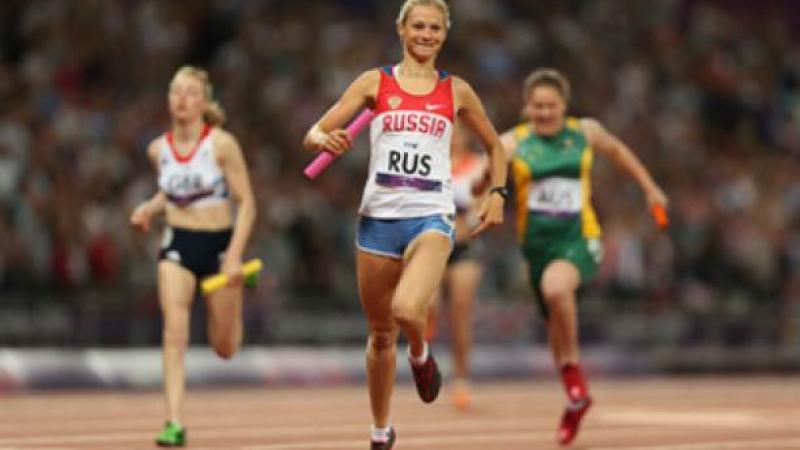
428,379
385,445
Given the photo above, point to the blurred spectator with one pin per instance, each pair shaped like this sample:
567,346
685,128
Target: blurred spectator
706,92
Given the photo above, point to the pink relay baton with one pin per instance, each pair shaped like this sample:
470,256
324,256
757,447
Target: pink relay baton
325,158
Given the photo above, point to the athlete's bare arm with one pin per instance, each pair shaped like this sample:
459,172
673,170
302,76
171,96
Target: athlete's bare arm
144,212
609,145
470,109
328,132
231,160
510,142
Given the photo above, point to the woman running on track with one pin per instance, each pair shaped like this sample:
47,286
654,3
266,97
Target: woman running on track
201,177
464,268
557,226
406,229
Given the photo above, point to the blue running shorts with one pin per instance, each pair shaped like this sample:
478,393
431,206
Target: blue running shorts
391,237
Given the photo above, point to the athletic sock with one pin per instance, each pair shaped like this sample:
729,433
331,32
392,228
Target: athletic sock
574,382
381,435
419,360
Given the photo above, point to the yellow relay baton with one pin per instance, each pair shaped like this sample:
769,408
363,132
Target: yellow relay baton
218,281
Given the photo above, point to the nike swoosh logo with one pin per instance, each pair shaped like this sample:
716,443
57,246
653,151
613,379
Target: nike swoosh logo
431,107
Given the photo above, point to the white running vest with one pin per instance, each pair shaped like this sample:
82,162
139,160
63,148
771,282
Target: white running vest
409,169
194,179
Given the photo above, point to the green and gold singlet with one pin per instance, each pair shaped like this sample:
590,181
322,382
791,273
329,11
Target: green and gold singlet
555,218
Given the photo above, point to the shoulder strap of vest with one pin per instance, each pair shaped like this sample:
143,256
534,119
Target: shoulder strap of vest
522,131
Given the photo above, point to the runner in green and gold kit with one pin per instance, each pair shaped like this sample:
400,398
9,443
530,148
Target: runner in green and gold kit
555,219
551,161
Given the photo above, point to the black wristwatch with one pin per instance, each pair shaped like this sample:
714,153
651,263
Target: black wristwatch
502,190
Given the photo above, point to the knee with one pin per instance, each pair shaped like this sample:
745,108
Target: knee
554,296
382,340
226,345
402,313
225,340
175,337
226,350
408,313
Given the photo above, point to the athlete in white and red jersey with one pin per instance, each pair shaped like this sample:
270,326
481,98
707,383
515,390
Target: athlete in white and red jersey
195,178
405,233
201,174
409,171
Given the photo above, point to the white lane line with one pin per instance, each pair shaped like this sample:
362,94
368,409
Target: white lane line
521,429
531,437
717,445
503,430
274,431
74,439
411,442
684,418
37,448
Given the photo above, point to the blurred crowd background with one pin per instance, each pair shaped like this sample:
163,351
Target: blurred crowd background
707,93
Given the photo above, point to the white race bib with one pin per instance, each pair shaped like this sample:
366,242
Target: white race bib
556,195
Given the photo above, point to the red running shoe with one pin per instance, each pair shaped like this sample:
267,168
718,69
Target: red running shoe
428,379
385,445
571,420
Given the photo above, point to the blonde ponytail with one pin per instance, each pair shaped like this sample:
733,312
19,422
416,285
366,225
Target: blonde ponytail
214,115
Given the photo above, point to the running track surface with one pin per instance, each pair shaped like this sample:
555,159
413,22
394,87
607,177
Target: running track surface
641,414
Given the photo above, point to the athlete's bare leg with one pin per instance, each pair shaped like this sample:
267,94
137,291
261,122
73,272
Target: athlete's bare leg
554,335
559,284
425,260
432,326
225,328
463,280
176,287
377,279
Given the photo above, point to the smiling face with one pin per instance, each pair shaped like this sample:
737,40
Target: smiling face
186,98
423,32
546,109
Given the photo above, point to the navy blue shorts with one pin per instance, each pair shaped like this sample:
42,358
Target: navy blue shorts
391,237
200,252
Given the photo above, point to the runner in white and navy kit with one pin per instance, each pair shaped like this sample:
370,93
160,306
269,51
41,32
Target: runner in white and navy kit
201,177
405,233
